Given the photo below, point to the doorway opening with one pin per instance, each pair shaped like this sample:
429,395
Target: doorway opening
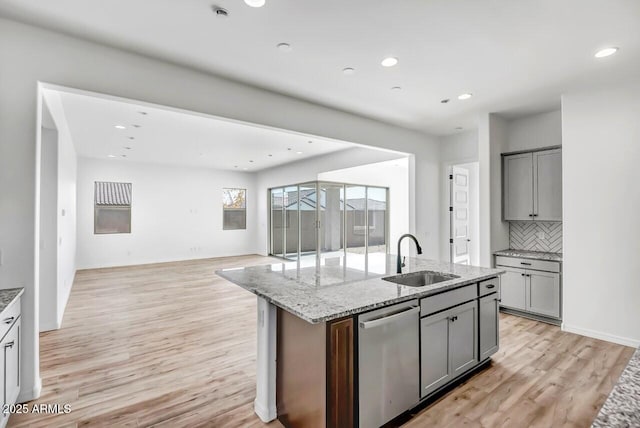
464,213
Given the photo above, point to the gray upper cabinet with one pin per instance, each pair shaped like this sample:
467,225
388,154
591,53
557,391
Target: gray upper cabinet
532,186
547,193
518,187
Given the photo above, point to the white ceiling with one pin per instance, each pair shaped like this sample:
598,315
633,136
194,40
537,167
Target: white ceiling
516,57
178,138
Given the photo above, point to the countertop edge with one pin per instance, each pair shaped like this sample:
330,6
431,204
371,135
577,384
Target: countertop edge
20,293
509,253
367,308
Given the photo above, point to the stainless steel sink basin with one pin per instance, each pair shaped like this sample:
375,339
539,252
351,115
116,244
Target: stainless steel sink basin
420,279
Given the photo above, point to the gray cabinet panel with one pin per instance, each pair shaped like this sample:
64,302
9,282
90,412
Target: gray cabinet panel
543,293
463,336
434,346
547,203
512,289
488,319
518,187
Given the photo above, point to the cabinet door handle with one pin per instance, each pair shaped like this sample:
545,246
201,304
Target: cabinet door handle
453,319
491,286
535,215
523,274
9,320
526,264
531,215
9,345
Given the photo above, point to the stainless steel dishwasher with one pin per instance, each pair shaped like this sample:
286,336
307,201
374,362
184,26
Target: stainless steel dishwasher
388,363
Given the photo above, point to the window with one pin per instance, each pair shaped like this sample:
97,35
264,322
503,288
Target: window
234,209
112,207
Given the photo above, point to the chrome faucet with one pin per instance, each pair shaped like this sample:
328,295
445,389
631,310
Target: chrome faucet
400,261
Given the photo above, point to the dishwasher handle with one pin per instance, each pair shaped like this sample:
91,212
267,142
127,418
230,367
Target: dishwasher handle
389,318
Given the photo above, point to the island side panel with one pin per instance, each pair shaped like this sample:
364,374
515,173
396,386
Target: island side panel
301,364
340,374
265,402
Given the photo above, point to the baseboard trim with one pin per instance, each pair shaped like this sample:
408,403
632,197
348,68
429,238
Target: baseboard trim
634,343
265,415
31,394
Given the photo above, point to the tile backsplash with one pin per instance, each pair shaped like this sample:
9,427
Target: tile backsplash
535,236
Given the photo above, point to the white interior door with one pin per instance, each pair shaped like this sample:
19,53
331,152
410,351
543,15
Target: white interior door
459,215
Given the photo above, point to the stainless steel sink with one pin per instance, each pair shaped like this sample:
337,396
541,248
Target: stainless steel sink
420,279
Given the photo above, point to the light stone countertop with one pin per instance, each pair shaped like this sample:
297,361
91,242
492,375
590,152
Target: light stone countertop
8,295
340,286
535,255
622,408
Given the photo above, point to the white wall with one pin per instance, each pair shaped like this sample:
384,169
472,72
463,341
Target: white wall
459,148
176,214
393,174
601,201
30,54
49,230
535,131
492,141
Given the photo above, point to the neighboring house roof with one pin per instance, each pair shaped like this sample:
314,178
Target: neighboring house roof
308,201
113,194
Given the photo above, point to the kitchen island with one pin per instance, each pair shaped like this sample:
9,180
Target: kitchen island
327,357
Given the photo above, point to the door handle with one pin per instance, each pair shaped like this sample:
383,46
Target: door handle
9,320
387,319
9,345
526,264
453,319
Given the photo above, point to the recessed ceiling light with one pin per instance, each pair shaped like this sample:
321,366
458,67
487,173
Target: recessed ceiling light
124,156
396,88
606,52
111,156
136,125
284,47
310,142
446,100
120,127
389,61
270,156
126,148
250,161
348,71
144,113
235,166
298,153
465,96
289,148
132,138
255,3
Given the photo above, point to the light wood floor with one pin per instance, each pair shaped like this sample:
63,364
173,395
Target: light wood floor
174,345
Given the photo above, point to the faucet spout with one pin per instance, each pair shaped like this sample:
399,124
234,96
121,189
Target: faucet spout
400,261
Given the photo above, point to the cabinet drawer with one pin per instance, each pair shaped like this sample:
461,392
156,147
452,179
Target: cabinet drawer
544,265
445,300
489,286
9,316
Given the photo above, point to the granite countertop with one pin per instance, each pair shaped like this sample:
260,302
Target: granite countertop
622,408
8,295
344,285
535,255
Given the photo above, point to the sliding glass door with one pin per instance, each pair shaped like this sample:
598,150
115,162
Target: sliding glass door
328,219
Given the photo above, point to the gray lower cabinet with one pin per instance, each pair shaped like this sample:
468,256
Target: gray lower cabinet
449,344
10,348
534,291
513,289
543,293
489,327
